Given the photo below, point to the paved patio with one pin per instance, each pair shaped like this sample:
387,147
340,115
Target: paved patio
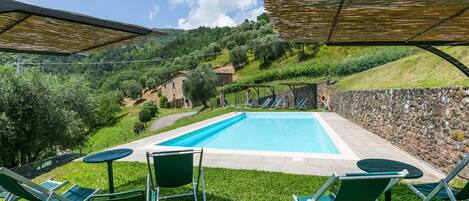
363,143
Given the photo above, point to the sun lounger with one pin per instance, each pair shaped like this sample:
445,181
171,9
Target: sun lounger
19,187
442,190
266,103
356,187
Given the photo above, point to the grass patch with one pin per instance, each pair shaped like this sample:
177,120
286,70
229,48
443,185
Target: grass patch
221,184
122,131
418,71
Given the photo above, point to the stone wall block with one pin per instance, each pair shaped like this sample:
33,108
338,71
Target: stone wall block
432,124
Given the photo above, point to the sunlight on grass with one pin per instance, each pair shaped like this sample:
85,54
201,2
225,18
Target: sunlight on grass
221,184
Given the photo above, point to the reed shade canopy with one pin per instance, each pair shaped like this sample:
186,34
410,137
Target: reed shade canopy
372,22
32,29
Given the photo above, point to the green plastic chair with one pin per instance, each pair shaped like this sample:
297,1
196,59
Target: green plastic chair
20,187
442,190
356,186
135,195
173,169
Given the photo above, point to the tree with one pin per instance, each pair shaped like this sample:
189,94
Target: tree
151,83
131,89
201,85
269,48
107,107
238,56
35,121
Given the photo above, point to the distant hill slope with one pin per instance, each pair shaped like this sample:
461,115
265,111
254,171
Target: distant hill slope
416,71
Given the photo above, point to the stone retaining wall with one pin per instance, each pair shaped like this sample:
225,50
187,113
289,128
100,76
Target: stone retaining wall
432,124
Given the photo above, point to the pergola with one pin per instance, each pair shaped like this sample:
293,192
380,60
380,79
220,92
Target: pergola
421,23
292,85
256,88
28,28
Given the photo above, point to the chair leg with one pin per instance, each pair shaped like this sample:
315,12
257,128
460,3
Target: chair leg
194,190
203,187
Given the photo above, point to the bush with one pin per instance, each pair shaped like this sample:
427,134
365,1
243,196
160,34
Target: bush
139,127
144,115
163,101
152,107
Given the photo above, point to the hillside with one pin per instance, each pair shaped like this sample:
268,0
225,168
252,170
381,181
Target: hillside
416,71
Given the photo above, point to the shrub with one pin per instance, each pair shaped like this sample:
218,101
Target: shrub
163,101
139,127
152,107
144,115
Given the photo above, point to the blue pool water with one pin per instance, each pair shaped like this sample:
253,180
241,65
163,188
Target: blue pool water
285,132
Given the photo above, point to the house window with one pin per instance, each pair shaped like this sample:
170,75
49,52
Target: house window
174,86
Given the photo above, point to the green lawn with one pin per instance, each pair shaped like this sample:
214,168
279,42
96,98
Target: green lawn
221,184
122,131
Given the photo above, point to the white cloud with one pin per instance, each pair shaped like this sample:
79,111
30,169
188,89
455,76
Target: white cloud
153,11
174,3
213,13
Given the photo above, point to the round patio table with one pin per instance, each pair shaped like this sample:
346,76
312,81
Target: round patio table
384,165
108,157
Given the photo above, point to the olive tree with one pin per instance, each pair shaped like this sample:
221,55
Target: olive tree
201,85
35,117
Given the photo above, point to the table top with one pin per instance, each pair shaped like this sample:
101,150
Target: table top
385,165
109,155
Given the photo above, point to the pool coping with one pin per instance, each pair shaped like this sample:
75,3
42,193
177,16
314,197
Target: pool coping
346,153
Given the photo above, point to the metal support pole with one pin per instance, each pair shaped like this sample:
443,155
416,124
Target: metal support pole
463,68
110,177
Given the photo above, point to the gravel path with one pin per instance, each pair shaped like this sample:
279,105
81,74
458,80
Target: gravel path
169,120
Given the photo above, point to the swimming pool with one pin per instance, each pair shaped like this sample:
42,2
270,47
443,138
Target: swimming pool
296,132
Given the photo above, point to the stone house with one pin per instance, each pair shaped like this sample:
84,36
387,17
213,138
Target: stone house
172,88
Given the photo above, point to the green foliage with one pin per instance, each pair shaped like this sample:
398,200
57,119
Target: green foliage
139,127
239,56
201,85
269,48
372,59
163,101
108,106
327,68
151,106
145,115
38,116
131,89
151,83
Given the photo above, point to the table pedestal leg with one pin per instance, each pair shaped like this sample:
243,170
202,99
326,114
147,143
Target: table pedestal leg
387,195
110,177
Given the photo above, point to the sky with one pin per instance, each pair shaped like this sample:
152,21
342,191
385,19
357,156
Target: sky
181,14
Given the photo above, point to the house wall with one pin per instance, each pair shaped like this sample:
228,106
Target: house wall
225,78
175,94
432,124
